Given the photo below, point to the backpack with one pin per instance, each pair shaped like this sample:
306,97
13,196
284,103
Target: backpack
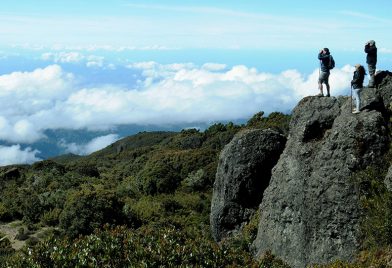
331,63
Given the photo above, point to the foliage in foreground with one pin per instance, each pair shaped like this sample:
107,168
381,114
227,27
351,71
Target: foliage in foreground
122,247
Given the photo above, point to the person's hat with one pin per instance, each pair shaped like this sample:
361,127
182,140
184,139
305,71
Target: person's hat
371,42
357,65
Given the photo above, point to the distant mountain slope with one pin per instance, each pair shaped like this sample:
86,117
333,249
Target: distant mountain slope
142,139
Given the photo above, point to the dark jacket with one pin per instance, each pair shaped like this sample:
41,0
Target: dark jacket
324,62
371,57
357,81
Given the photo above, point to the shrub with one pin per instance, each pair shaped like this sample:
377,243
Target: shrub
32,208
251,228
4,214
277,121
165,170
4,241
51,217
129,187
146,209
49,166
12,200
195,181
6,249
376,201
269,260
87,170
187,139
88,209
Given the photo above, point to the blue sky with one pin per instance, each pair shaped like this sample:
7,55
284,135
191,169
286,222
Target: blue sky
342,25
96,65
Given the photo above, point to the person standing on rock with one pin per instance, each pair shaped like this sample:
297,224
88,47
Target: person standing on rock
357,85
326,64
371,60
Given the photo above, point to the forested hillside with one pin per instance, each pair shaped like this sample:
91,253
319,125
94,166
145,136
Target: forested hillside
144,200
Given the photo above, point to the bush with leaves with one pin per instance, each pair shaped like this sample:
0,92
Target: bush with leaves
165,170
6,249
376,201
218,135
4,214
90,208
32,208
187,139
276,120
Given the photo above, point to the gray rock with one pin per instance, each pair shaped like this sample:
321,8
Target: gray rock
388,179
371,99
13,173
384,88
310,212
244,171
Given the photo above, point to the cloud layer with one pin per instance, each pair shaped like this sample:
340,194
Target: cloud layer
16,155
50,98
90,147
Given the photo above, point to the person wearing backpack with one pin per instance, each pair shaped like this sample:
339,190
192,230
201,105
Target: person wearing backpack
357,85
326,64
371,60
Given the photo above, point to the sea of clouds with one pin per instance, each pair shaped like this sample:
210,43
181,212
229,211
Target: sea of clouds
53,98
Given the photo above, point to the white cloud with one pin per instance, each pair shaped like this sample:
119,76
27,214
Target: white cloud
63,57
50,98
26,94
92,146
95,61
92,61
110,48
214,66
385,50
15,155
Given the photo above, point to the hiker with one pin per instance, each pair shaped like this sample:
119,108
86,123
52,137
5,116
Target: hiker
326,63
357,85
371,60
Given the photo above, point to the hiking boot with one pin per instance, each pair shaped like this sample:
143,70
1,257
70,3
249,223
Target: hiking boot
355,111
328,95
320,95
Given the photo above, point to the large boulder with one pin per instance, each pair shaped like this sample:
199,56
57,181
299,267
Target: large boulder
244,171
12,172
310,212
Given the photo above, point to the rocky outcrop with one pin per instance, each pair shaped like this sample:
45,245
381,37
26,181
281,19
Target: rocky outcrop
244,171
310,212
11,172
